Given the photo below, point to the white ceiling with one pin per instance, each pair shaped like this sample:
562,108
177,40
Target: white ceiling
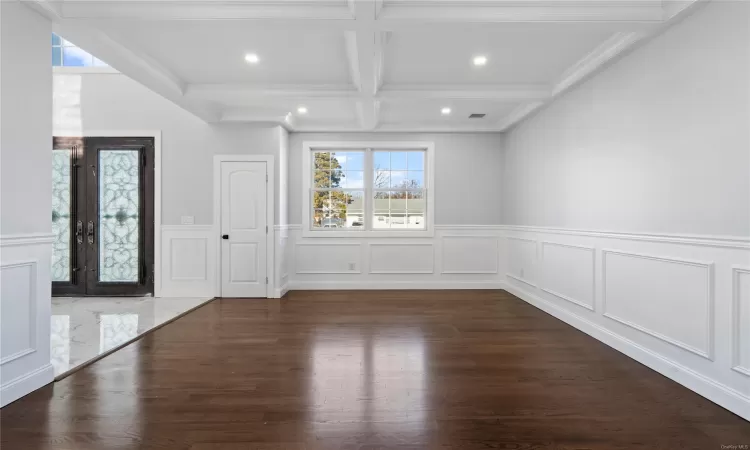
375,65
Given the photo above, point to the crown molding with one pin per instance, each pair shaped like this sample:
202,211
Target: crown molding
496,92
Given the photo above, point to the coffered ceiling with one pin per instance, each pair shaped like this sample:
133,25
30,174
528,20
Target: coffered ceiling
361,65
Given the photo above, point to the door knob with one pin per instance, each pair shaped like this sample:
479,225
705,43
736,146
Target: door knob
225,236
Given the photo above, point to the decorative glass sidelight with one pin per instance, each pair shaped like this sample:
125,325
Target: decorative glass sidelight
61,215
119,217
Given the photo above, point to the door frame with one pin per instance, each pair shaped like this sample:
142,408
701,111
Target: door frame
270,216
156,134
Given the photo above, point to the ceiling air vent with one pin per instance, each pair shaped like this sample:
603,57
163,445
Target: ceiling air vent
477,116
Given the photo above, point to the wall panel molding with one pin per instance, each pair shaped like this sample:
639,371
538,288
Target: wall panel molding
708,298
523,263
334,254
11,286
547,272
740,327
188,261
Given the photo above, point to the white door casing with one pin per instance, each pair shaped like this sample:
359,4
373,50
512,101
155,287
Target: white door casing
244,223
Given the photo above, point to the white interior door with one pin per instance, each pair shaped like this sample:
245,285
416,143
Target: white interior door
243,229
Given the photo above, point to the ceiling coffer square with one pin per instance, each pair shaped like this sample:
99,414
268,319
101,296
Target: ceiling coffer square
477,116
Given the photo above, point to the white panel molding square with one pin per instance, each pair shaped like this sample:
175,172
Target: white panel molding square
466,254
313,257
188,258
741,315
527,261
406,258
556,286
681,288
19,289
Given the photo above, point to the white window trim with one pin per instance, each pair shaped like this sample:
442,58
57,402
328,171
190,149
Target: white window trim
309,146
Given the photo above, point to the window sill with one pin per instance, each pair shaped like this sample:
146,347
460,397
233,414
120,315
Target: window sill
428,233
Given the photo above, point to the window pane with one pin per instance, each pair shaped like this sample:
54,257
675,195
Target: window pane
398,179
322,160
398,218
381,161
56,39
416,161
119,215
338,160
355,161
398,160
381,219
322,179
415,201
381,179
415,179
415,220
75,57
61,226
355,179
99,63
56,56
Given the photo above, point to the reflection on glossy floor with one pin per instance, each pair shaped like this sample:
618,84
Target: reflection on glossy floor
433,370
85,327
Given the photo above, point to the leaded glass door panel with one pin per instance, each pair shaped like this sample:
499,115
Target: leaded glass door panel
112,180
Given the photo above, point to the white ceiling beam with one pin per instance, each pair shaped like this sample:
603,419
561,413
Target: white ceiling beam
365,53
250,92
500,92
247,115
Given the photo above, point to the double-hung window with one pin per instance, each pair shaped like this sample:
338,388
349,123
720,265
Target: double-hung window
367,189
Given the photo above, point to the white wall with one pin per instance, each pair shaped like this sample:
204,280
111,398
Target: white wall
655,147
467,173
26,199
657,143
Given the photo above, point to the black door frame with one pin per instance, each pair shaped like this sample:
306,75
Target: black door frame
85,194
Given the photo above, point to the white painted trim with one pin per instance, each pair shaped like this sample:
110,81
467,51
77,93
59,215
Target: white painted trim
270,214
740,242
156,134
388,285
736,325
328,244
593,275
26,239
67,70
33,308
721,394
709,266
307,148
26,383
522,280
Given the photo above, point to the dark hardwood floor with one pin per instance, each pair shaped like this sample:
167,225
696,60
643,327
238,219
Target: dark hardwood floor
371,370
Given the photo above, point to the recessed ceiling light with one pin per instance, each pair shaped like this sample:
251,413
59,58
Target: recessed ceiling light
445,111
480,60
302,110
252,58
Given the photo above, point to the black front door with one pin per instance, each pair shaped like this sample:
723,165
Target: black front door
103,216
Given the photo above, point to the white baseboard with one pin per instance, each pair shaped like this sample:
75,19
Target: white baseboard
281,291
716,392
381,285
17,388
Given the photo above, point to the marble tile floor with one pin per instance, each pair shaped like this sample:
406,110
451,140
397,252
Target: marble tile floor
85,327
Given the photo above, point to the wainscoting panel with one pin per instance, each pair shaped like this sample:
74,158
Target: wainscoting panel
522,260
679,304
25,303
328,257
188,261
470,254
406,258
568,273
644,291
741,326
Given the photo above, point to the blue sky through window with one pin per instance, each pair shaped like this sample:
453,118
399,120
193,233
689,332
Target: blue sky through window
67,54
